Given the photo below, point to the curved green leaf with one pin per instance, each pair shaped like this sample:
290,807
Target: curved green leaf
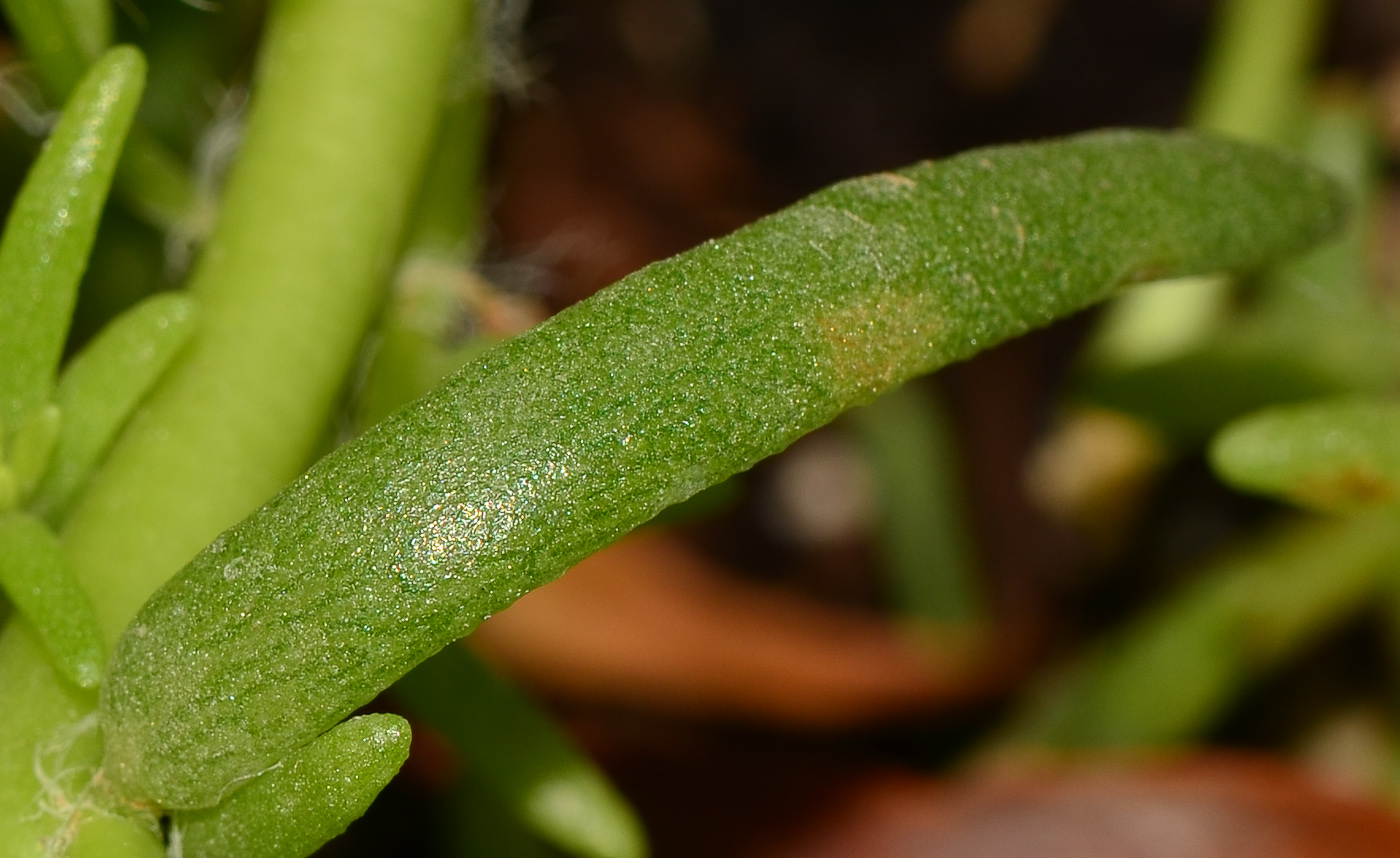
310,797
102,386
556,443
513,750
37,578
1334,455
52,225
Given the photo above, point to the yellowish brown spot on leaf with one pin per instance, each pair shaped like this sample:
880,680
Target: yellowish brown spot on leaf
872,345
1346,488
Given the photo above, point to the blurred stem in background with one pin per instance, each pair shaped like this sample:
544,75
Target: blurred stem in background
1258,68
1253,85
924,543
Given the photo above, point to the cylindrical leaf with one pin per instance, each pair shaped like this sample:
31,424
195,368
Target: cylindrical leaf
559,441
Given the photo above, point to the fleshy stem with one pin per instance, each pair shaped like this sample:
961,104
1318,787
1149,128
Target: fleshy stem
344,109
313,210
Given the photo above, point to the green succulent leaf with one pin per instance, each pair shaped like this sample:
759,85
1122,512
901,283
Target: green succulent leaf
559,441
1332,455
513,750
51,227
36,576
104,384
289,811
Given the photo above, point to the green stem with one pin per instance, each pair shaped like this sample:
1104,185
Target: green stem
344,108
1253,88
1256,72
924,547
38,700
343,111
413,346
447,213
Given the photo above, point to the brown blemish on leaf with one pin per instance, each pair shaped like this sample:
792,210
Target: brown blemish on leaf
899,181
874,346
1147,273
885,186
1347,488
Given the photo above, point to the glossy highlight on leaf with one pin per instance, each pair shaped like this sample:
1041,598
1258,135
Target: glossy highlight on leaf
1334,455
556,443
